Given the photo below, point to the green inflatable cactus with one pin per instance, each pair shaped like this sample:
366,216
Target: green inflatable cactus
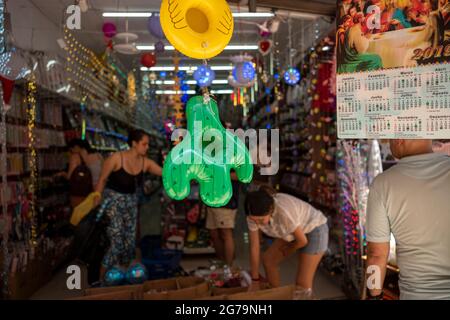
207,154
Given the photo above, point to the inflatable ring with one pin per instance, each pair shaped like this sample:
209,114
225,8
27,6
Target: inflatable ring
197,28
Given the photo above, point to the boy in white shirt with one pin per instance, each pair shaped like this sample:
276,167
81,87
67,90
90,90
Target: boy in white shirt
297,228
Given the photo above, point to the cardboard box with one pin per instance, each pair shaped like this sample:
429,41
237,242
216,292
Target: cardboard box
227,291
135,290
184,288
117,295
222,297
282,293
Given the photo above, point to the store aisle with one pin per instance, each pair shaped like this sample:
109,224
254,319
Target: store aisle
325,286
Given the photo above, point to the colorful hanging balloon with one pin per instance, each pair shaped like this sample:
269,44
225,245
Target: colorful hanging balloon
159,47
154,26
115,276
109,30
244,72
148,60
292,76
195,159
204,76
137,273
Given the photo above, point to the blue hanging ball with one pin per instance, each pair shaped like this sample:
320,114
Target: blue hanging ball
163,74
204,76
185,87
276,76
114,276
184,98
137,273
244,72
181,74
292,76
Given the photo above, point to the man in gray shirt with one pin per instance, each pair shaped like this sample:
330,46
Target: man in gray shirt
411,200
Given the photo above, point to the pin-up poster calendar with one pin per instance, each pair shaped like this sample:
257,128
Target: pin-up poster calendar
393,69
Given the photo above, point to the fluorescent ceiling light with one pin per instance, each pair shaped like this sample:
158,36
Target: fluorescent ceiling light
253,14
193,92
227,48
222,91
172,82
167,68
127,14
149,14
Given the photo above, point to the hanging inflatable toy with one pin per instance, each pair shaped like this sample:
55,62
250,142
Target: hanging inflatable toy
209,163
197,28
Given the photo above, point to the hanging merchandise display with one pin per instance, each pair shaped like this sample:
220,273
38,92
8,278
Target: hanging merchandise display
148,60
160,47
204,76
358,163
292,76
265,46
32,166
198,29
109,30
208,164
154,26
178,105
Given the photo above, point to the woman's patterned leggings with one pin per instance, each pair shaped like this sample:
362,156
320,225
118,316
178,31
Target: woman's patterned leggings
122,214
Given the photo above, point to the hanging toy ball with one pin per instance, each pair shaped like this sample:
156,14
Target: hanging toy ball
159,47
204,76
148,60
137,273
244,72
292,76
154,26
109,30
114,276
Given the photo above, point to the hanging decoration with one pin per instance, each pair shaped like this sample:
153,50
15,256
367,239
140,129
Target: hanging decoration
154,26
109,30
178,105
160,47
204,76
244,72
358,163
132,88
265,46
198,29
13,65
212,172
8,87
127,47
148,60
2,27
31,112
115,276
136,273
292,76
5,224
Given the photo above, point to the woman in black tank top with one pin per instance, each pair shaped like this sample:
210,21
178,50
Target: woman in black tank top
122,175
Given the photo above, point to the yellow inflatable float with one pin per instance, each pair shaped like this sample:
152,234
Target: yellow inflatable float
199,29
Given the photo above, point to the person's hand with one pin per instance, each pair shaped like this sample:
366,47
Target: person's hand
395,22
97,200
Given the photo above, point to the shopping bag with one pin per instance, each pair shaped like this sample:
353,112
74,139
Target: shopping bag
80,211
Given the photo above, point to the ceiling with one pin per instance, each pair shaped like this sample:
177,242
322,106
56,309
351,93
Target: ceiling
37,24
